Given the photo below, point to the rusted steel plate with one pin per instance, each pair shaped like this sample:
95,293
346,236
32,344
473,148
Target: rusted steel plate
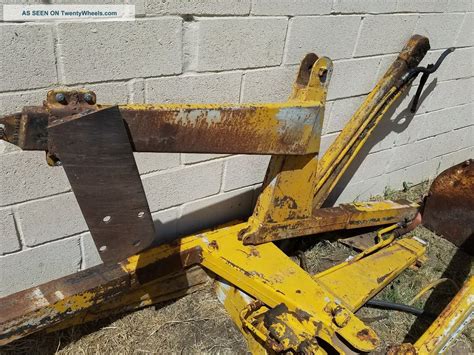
271,129
449,206
102,288
287,128
98,159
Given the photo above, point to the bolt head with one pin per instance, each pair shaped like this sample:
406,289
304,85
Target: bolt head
61,98
89,98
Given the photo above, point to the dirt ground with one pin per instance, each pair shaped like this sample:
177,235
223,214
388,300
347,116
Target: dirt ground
197,323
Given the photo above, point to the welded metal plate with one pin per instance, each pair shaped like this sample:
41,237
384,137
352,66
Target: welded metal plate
449,207
98,159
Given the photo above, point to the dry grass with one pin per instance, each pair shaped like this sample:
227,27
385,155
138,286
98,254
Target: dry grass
198,323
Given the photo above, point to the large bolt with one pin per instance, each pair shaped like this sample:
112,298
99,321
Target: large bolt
89,98
61,98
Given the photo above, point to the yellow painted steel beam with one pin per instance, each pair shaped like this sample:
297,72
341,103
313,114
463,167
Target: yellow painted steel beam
262,271
270,276
371,273
454,318
350,141
345,216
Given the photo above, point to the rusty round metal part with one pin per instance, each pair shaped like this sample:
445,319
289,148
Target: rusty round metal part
449,206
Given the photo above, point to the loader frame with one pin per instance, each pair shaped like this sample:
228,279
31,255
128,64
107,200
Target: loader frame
276,304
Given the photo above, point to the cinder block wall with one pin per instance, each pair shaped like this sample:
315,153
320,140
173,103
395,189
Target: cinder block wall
223,51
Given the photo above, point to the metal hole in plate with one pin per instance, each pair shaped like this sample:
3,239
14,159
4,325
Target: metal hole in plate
106,219
103,248
141,214
136,243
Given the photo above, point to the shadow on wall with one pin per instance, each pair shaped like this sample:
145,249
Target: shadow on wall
236,207
388,124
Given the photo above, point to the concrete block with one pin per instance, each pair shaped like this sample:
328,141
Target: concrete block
150,162
450,93
341,112
384,34
11,102
113,50
397,127
215,210
327,113
435,123
451,142
353,77
6,148
462,116
422,5
9,238
235,43
385,63
38,265
192,88
441,29
268,85
420,172
317,34
451,159
198,7
360,191
466,34
90,254
291,7
244,170
136,89
108,93
51,218
364,6
172,188
165,225
27,176
27,56
409,154
395,179
192,158
458,64
460,5
374,164
326,142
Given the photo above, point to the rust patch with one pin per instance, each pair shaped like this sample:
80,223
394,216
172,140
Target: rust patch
237,130
402,349
382,278
449,206
365,335
213,245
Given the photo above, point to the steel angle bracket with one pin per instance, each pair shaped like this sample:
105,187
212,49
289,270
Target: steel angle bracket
97,156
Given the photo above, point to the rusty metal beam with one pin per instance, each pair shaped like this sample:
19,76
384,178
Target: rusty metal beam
80,294
345,216
291,128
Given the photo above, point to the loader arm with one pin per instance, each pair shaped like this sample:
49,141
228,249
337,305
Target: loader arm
95,144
